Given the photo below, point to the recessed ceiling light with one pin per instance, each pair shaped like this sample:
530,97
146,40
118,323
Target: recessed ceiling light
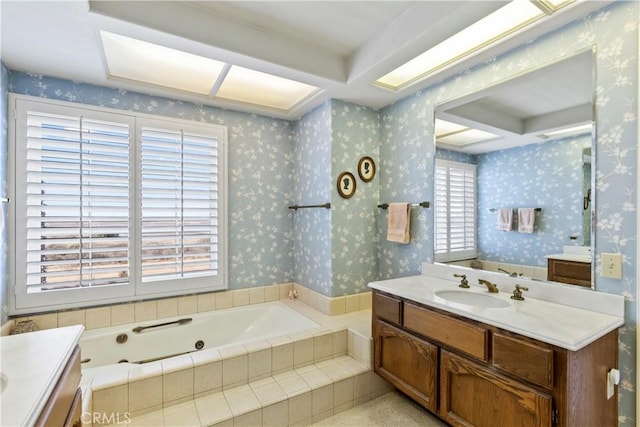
254,87
508,19
150,63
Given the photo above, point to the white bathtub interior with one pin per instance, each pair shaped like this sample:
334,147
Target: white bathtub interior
101,353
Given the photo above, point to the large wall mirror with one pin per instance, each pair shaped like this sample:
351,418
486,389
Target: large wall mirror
514,174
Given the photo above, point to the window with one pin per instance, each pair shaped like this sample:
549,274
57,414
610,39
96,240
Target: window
455,211
113,205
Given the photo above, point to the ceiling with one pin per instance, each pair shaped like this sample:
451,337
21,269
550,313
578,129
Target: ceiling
338,46
522,110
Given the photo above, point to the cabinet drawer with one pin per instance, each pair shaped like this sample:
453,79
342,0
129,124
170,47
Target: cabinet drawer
570,272
463,336
527,360
387,308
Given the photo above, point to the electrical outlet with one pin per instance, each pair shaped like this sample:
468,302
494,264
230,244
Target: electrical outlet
611,265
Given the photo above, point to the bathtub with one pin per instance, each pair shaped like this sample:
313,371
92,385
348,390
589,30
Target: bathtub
117,347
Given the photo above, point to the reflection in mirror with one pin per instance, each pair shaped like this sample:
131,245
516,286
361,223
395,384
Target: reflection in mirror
524,143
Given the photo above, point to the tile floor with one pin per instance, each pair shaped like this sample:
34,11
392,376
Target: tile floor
392,409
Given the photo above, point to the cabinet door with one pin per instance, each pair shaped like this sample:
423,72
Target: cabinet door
472,395
407,362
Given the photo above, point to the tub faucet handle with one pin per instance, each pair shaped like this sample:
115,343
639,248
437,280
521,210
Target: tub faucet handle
463,283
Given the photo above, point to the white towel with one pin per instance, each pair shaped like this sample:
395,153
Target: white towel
505,219
526,220
398,222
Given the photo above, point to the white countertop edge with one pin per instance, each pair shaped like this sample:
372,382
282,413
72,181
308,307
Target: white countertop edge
613,323
70,336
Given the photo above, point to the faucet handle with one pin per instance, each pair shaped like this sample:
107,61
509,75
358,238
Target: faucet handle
517,293
463,283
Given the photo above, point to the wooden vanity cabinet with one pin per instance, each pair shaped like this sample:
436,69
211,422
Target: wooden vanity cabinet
473,395
410,363
64,407
472,374
569,272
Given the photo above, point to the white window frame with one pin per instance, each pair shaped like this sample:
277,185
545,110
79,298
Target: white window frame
21,302
471,250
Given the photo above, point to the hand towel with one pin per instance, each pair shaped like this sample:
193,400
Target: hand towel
398,222
526,220
505,219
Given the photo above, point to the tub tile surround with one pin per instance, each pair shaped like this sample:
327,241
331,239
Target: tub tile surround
143,311
260,382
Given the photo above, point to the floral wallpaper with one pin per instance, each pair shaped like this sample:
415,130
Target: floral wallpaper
407,153
312,186
547,176
261,167
4,89
335,250
354,225
406,157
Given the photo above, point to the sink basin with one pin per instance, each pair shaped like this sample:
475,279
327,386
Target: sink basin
473,299
3,382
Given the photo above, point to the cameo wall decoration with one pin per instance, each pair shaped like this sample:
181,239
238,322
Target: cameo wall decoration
346,185
366,169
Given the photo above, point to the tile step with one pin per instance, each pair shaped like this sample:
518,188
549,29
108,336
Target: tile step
300,396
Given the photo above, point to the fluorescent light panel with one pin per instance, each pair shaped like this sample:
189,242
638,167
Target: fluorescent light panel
156,65
254,87
493,27
573,130
149,63
458,135
469,136
443,127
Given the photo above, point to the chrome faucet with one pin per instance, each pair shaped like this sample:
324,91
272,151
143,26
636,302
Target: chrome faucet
490,286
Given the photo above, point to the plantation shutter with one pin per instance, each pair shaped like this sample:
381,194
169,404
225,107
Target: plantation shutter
455,211
77,201
180,203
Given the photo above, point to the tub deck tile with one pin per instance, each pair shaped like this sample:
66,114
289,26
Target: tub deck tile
213,409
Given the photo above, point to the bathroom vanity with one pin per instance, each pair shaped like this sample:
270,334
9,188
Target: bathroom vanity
572,267
506,362
42,374
569,271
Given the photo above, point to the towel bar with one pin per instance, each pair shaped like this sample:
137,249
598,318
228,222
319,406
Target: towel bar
421,204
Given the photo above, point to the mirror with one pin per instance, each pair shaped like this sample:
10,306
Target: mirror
531,140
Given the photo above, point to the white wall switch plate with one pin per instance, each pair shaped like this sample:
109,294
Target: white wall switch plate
611,265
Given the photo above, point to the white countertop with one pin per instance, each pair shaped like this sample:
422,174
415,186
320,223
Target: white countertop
573,253
562,325
33,363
